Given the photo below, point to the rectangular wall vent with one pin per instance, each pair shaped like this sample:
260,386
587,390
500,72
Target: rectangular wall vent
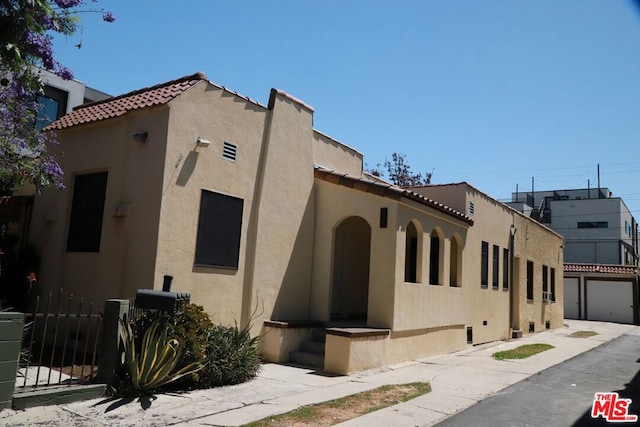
229,151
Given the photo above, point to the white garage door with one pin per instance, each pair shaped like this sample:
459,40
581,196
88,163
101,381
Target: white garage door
610,301
571,298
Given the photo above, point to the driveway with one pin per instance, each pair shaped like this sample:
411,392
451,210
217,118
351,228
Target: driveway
563,394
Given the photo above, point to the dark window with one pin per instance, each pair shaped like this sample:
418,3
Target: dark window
505,268
545,282
219,230
434,260
411,254
529,280
453,263
553,284
87,209
384,214
54,106
484,265
496,267
593,224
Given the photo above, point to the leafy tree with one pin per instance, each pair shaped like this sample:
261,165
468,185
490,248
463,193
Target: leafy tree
399,172
26,43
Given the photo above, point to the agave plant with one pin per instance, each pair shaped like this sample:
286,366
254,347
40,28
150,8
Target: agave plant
153,366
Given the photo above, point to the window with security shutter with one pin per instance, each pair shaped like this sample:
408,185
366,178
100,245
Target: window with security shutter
505,268
484,265
496,267
219,230
530,280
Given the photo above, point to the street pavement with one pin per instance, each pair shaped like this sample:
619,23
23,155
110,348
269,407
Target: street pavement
458,380
563,394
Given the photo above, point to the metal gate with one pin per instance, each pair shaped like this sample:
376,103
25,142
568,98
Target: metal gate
60,343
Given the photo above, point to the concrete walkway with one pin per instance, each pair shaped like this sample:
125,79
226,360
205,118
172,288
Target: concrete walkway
458,380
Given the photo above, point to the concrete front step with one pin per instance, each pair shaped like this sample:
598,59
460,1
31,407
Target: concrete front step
319,335
307,359
316,347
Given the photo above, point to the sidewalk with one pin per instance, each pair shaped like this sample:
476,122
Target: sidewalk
458,380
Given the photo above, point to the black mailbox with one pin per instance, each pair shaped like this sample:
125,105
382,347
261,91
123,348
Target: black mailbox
152,299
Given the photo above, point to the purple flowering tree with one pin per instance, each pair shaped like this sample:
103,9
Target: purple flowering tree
27,28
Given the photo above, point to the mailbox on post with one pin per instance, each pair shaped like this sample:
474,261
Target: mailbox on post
151,299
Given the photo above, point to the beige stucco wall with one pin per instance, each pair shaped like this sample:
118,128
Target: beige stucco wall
334,155
488,308
128,244
455,196
284,232
273,174
544,247
345,355
215,115
392,303
423,305
493,224
334,204
276,343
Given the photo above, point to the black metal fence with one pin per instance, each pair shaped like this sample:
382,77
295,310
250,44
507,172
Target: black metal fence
60,343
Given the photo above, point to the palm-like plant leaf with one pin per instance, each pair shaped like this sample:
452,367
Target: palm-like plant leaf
154,366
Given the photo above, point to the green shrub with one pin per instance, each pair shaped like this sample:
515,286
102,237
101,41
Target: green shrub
229,354
190,325
232,357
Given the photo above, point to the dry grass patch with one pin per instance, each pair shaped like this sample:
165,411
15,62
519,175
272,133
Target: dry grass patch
346,408
522,352
583,334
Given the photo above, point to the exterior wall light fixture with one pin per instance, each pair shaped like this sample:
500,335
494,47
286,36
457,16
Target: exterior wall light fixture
201,142
140,136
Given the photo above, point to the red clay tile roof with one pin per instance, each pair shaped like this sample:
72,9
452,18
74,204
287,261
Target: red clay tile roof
601,268
385,190
120,105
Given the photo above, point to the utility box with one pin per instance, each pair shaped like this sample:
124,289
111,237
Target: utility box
151,299
11,325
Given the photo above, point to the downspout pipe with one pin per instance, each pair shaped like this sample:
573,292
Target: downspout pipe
512,250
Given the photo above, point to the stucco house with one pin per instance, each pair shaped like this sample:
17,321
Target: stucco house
264,219
58,98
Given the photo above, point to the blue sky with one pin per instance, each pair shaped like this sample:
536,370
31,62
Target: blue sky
490,92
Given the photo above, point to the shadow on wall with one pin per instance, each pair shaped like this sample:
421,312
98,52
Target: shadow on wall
292,302
187,169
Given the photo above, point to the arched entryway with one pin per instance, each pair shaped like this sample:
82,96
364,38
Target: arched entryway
351,256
